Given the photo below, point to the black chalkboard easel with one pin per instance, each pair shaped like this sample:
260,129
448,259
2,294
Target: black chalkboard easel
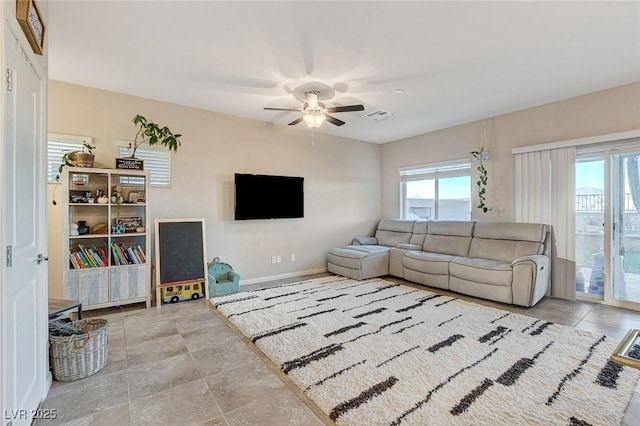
181,255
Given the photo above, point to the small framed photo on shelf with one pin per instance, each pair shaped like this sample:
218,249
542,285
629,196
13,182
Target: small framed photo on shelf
136,197
131,224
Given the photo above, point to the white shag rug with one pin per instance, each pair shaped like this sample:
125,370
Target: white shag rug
373,352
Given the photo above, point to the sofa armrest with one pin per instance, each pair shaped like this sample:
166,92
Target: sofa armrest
530,279
361,241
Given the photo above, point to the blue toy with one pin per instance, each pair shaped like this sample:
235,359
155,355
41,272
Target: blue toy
222,279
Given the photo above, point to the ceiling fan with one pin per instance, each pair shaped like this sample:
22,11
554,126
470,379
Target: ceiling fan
314,112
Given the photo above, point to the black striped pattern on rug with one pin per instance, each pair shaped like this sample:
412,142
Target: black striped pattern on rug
375,352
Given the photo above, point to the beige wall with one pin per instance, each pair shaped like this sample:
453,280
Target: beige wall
349,184
608,111
342,179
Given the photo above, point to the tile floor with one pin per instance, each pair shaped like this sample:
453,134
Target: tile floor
184,365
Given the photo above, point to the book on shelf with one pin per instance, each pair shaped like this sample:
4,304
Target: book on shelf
81,257
127,255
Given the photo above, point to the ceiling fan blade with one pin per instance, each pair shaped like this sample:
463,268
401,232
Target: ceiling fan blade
296,121
283,109
346,108
333,120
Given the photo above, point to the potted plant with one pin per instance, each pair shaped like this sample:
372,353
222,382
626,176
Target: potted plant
152,134
76,158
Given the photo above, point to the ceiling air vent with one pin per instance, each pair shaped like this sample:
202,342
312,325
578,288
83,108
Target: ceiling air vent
379,115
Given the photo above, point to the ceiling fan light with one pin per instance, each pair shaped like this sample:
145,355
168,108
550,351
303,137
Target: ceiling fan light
313,119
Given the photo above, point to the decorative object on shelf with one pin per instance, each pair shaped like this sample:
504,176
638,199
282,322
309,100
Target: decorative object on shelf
136,197
149,133
99,228
77,196
118,229
30,19
129,163
116,195
222,278
140,229
82,227
103,200
131,224
73,230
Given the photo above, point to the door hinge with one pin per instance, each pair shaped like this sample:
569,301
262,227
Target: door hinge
9,256
9,79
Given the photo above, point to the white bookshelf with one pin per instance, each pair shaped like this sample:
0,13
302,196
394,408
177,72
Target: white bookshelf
102,282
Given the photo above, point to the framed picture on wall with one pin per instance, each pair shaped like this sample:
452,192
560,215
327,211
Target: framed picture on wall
30,19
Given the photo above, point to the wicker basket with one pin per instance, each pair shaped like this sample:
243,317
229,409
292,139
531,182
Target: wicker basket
80,355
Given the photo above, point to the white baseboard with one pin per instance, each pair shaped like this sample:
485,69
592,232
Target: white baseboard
279,277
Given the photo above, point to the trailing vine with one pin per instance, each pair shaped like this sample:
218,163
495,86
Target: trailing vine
481,155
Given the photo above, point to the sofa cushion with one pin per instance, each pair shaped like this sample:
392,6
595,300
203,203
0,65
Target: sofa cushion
431,263
511,231
418,233
352,256
392,232
451,227
448,237
366,249
481,271
505,242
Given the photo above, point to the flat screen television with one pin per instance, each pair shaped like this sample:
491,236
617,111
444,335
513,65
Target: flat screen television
268,197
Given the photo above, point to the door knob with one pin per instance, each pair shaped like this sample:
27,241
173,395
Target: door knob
40,258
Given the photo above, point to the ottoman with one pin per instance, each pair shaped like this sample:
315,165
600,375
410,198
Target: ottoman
359,262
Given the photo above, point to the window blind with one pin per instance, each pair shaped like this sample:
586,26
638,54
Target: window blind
157,162
436,170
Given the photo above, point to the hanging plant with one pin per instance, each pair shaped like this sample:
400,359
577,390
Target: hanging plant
482,155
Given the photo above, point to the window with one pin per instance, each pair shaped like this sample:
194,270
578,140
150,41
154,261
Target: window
57,146
156,161
436,191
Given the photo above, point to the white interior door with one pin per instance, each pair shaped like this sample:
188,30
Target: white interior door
24,284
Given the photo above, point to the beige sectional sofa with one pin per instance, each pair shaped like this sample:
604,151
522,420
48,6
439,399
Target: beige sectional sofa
505,262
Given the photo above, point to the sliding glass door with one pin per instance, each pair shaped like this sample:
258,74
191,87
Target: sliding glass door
590,225
625,236
608,226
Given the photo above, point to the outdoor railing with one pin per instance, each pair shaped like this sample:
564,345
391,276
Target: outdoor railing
595,203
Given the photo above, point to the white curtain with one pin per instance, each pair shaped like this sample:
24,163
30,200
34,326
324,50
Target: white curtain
545,193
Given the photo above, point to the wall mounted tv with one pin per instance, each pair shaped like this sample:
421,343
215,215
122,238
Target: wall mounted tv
268,197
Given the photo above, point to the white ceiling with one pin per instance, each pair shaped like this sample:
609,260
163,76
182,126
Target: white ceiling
456,61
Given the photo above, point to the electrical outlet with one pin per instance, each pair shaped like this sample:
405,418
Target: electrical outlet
273,259
293,257
278,259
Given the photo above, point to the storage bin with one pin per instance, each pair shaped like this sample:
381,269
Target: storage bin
80,355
